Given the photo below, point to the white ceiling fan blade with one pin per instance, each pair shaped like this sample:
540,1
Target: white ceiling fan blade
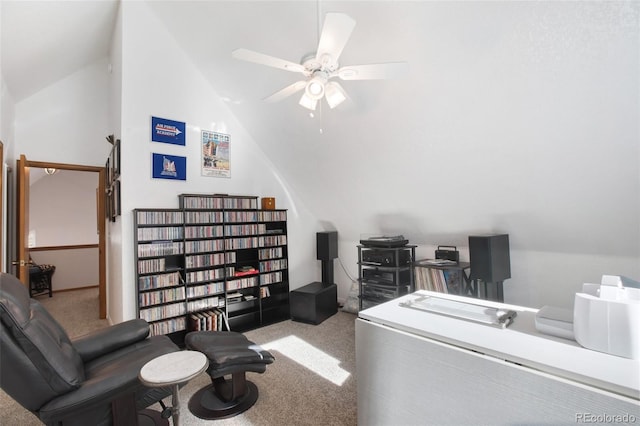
336,31
270,61
386,71
286,92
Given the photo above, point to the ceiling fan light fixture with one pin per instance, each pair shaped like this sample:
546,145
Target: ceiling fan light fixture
50,171
315,88
334,94
308,102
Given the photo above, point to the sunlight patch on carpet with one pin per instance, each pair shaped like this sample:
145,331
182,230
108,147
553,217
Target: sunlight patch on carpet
310,357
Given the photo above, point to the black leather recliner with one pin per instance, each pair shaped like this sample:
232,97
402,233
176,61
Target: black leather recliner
72,382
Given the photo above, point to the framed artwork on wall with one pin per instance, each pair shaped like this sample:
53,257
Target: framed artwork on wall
107,204
115,160
168,131
166,166
116,200
215,154
107,168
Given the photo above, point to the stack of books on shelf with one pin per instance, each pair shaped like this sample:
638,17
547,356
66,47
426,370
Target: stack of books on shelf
440,280
244,271
234,297
264,292
212,320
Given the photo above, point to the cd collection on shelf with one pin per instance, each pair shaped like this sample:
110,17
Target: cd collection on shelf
214,254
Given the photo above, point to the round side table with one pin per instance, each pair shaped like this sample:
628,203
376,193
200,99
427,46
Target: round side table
172,369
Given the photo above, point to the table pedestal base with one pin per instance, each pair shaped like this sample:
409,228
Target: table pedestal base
205,403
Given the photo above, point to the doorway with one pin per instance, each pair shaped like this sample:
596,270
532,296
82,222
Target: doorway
23,168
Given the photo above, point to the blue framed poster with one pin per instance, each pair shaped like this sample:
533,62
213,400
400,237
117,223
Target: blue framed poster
169,167
168,131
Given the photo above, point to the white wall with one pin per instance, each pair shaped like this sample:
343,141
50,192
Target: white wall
516,117
62,208
67,121
175,89
62,212
114,237
75,267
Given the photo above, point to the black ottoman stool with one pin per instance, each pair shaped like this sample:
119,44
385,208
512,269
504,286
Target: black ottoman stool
229,353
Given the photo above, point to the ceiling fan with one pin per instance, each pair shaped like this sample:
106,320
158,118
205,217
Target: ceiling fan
322,67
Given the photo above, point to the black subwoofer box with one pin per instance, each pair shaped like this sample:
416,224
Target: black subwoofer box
313,303
327,245
489,257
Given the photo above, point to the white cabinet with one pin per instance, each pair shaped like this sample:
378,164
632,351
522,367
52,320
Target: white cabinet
415,367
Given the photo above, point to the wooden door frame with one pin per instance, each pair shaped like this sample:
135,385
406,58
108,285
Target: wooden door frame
101,217
2,212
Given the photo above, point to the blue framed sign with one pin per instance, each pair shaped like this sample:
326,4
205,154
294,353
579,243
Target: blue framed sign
169,167
168,131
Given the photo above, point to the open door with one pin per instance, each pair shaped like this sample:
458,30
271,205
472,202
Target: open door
3,267
23,222
22,263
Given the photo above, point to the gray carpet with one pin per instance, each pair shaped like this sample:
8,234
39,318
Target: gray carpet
311,382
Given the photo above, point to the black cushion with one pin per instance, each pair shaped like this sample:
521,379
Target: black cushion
40,337
227,348
71,382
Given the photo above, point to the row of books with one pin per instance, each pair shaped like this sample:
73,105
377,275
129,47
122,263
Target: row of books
272,216
213,320
270,253
203,217
246,229
273,240
151,265
206,289
440,280
273,277
207,275
150,282
241,216
217,202
204,231
242,283
163,233
161,312
209,302
169,326
264,292
165,217
159,217
161,248
203,246
273,265
212,259
163,296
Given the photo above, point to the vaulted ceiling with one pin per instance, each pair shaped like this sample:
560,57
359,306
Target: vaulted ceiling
496,94
44,41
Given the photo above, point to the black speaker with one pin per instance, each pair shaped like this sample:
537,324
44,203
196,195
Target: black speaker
327,245
489,258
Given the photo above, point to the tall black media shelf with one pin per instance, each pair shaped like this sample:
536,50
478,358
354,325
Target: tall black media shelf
384,273
225,263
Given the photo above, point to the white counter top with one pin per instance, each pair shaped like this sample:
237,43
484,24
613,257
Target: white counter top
520,343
